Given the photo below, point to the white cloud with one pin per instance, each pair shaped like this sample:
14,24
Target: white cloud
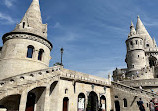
6,19
57,25
9,3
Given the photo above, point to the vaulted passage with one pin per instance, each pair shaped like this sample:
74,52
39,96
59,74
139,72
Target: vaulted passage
11,103
92,102
36,99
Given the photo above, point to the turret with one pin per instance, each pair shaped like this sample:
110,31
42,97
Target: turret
135,57
26,48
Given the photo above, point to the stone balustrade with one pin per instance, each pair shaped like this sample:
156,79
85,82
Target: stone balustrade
132,90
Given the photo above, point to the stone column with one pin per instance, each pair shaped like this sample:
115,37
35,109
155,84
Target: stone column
47,99
23,101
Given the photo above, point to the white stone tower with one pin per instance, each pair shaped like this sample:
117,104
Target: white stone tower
26,48
135,57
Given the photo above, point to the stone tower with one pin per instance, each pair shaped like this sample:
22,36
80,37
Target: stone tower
135,57
26,48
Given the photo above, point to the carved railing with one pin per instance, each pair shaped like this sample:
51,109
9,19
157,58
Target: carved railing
132,90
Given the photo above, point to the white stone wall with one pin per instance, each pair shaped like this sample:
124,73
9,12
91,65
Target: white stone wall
14,59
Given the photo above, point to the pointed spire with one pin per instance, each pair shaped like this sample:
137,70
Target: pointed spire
132,29
32,21
140,28
154,42
33,15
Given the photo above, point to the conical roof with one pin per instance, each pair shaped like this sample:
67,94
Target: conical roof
140,28
32,21
33,15
143,33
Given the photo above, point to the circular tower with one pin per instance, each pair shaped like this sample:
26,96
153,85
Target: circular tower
135,57
26,48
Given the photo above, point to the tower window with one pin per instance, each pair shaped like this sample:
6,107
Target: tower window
131,43
30,49
132,66
40,54
147,45
23,25
136,41
138,56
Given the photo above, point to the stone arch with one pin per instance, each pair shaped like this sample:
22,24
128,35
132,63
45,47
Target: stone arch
11,102
53,91
103,103
65,104
92,104
152,61
36,96
81,102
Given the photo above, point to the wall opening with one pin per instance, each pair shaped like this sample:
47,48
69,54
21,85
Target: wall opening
23,25
117,105
30,102
92,102
125,102
152,61
65,103
81,102
11,103
30,50
103,103
40,54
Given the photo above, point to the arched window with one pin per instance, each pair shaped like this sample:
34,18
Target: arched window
125,102
30,49
131,43
23,25
40,54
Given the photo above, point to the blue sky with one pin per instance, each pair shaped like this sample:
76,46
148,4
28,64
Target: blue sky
92,32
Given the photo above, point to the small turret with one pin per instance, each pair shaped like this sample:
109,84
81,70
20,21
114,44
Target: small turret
132,30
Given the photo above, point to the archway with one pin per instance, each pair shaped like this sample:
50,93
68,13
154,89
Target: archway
65,103
31,97
152,61
36,96
11,103
117,105
92,102
103,103
81,102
